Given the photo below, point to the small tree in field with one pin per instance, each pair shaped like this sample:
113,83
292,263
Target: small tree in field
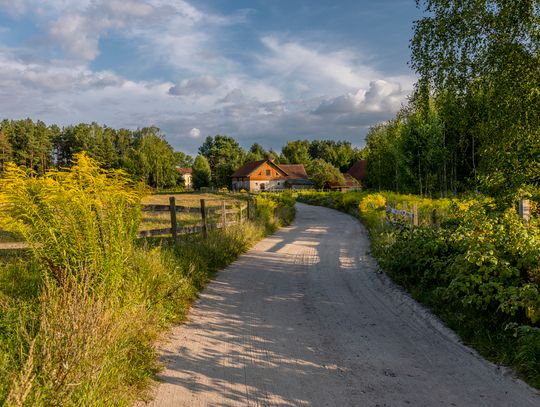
201,172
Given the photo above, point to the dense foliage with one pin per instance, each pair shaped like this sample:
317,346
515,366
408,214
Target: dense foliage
474,121
202,174
143,153
322,172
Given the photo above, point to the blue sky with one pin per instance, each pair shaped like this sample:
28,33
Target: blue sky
260,71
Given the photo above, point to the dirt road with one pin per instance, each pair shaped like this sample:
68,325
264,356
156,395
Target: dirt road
306,319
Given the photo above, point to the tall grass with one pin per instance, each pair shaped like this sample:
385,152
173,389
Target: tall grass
81,311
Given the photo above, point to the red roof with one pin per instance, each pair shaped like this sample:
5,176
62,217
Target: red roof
295,171
184,170
292,171
358,170
248,168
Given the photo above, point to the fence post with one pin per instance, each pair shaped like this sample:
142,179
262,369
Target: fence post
249,208
172,209
415,214
525,210
224,214
241,211
203,216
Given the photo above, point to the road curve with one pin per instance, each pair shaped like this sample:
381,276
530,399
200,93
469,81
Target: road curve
305,319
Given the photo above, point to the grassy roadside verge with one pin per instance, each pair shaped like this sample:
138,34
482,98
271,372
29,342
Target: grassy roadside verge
478,269
80,312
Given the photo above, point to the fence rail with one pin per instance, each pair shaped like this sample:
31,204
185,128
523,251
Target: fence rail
175,230
524,210
241,212
412,216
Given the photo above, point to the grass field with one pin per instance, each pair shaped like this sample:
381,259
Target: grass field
193,199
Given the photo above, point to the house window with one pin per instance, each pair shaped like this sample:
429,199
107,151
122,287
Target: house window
267,173
279,183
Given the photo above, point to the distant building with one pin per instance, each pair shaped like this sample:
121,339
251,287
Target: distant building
187,176
265,175
358,170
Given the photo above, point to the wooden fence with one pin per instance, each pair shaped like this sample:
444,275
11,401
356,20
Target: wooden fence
243,212
524,210
412,217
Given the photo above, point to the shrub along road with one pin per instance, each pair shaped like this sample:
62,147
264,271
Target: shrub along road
306,318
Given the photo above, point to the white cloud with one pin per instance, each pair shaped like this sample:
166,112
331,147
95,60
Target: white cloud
78,29
199,85
13,7
234,96
381,96
194,133
123,8
78,36
315,69
42,8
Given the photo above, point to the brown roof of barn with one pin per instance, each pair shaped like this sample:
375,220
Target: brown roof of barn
185,170
295,171
358,170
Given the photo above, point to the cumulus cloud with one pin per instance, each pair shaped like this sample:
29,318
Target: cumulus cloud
77,36
53,76
78,28
200,85
314,69
381,96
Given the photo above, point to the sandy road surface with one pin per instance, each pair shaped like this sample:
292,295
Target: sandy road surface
14,246
305,319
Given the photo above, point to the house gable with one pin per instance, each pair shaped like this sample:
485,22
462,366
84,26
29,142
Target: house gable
267,171
263,170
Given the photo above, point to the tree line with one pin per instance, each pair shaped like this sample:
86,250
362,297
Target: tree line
473,122
142,153
146,155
